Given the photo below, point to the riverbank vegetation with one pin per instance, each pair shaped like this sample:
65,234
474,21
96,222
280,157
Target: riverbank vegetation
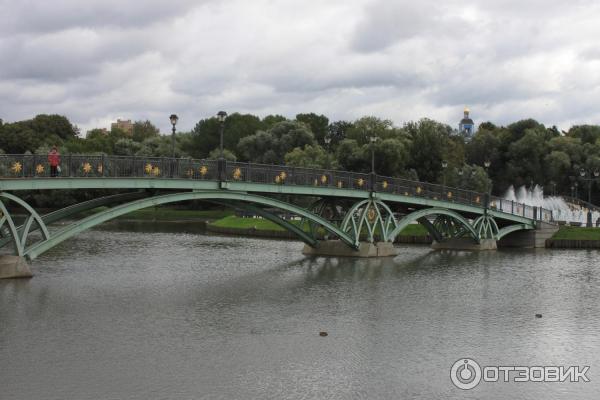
520,153
577,233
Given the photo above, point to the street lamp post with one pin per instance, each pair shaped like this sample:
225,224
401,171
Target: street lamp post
172,164
327,140
221,116
373,139
593,175
486,165
460,178
174,118
444,166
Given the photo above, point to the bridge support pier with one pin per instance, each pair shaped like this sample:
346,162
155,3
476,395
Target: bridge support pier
14,267
534,238
465,244
337,248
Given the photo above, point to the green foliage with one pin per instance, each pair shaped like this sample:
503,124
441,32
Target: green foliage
126,147
228,155
519,153
363,128
19,137
429,142
271,120
206,133
270,147
318,124
311,157
143,130
577,233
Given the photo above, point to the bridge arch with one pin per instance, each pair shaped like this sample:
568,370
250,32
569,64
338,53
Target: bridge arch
420,214
512,228
238,197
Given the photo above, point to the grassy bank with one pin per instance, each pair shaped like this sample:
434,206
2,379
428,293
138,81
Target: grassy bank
172,214
233,222
577,233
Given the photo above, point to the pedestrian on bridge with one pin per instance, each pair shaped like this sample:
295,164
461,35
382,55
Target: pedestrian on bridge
54,161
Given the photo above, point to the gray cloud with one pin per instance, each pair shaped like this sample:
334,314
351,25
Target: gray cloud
96,61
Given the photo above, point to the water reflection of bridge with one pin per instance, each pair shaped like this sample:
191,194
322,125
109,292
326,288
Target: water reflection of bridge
351,207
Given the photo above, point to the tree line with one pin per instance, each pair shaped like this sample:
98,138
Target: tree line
520,153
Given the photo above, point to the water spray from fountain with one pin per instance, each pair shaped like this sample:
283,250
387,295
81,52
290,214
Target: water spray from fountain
561,210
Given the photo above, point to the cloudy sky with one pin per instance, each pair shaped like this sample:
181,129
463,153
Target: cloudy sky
98,60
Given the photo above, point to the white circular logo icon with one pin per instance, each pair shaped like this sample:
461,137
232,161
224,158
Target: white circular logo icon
465,373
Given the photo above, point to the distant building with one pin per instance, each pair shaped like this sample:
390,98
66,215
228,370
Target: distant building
466,127
124,125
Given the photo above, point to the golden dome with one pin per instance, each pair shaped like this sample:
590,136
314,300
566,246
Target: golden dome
467,109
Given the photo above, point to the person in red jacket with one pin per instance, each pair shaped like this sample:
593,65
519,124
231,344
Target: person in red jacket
54,161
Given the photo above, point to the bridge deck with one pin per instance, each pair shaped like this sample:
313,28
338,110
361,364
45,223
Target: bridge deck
32,172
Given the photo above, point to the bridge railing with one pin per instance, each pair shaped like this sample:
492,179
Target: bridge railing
82,166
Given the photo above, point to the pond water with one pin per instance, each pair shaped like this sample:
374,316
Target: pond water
145,314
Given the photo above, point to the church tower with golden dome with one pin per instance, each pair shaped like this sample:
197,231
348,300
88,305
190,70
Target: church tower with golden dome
466,127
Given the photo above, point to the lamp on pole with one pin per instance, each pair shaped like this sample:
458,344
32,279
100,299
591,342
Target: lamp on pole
373,139
173,118
593,175
327,140
460,177
444,166
221,116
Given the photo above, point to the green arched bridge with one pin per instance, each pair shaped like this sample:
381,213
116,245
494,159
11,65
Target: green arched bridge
351,207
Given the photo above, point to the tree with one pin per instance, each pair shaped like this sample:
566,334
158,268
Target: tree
272,145
228,155
429,141
206,133
338,130
271,120
365,127
311,157
143,130
318,124
53,126
127,147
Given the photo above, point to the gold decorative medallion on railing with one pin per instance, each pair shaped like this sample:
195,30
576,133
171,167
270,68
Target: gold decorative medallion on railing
156,171
419,190
449,195
477,199
100,168
360,182
203,171
16,167
148,168
283,175
39,169
237,174
323,179
371,214
384,185
277,179
87,168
